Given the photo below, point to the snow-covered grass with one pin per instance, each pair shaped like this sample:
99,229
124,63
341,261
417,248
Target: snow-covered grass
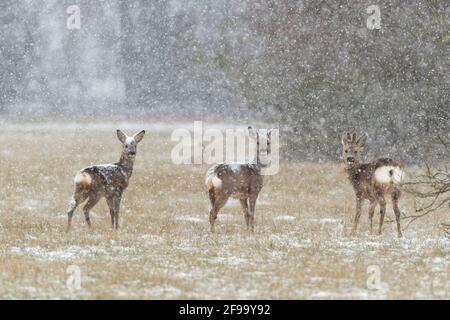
301,247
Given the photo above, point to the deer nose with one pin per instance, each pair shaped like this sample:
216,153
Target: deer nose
350,159
132,153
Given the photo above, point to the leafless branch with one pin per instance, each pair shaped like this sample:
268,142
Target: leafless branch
432,188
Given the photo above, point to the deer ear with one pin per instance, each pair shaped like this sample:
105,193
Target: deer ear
362,140
138,136
122,136
344,138
253,133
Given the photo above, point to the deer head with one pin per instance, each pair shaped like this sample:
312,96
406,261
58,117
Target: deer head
129,143
352,147
262,143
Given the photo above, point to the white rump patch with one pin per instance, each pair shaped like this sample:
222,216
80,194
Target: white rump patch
398,175
82,178
389,174
211,177
217,183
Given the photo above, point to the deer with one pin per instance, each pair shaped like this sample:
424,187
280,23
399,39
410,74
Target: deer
105,180
373,181
240,180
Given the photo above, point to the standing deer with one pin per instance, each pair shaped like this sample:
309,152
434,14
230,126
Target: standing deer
243,181
108,180
372,181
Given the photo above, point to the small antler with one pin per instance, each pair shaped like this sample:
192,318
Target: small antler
345,137
362,140
349,137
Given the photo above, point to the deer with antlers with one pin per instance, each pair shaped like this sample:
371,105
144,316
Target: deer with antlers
107,180
243,181
372,181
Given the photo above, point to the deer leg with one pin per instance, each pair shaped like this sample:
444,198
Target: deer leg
217,202
357,215
251,217
382,212
110,204
244,205
213,209
72,206
212,217
395,198
116,210
113,218
373,204
114,205
88,206
77,198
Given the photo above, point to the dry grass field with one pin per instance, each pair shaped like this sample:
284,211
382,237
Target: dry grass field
301,248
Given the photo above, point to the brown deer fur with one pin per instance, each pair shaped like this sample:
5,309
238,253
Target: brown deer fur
373,181
243,181
109,181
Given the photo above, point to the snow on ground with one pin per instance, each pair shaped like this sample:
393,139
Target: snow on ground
301,248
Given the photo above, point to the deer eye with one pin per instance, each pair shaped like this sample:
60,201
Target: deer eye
345,151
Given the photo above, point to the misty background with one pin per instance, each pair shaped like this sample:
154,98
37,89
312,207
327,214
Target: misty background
313,68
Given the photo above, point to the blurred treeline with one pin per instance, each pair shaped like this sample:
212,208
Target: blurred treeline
312,67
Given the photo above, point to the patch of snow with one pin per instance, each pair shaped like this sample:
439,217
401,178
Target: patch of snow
228,260
190,219
30,204
151,238
226,216
69,253
284,217
165,292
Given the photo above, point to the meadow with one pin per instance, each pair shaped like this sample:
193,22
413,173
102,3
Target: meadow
301,247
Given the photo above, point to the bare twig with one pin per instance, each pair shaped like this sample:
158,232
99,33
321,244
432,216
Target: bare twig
433,187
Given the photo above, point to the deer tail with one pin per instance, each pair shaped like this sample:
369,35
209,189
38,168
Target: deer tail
213,179
389,175
83,179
